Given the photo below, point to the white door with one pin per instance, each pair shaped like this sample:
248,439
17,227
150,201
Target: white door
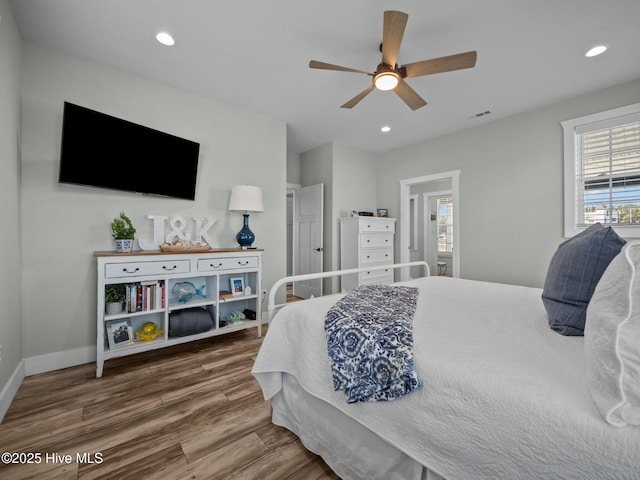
307,239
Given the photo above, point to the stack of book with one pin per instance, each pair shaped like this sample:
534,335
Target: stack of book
144,296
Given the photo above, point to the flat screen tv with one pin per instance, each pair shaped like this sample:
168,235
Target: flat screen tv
100,150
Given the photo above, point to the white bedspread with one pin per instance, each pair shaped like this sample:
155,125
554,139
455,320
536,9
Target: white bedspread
504,396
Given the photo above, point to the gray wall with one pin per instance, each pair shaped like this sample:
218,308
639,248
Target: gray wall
316,166
10,273
511,185
349,178
64,224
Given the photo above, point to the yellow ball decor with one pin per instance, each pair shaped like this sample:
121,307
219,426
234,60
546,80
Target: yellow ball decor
149,331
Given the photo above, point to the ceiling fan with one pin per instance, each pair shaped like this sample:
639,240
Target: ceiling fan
389,75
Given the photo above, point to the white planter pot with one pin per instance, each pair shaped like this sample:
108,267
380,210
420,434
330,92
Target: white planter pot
124,246
113,308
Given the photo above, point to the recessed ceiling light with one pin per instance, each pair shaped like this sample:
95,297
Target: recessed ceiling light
385,129
595,51
165,39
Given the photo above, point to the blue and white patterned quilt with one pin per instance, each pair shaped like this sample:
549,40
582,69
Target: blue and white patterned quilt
370,343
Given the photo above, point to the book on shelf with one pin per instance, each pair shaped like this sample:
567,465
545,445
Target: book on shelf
225,294
145,296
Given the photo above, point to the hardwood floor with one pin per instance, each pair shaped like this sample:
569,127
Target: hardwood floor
290,296
192,411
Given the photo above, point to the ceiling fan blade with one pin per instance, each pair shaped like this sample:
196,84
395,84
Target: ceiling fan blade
393,30
409,95
355,100
328,66
441,64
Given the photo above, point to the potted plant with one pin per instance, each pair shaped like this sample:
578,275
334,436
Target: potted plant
114,297
123,233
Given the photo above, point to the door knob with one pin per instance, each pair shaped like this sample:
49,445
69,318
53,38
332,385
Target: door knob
319,249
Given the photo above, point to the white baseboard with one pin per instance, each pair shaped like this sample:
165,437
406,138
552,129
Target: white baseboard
57,360
10,389
42,364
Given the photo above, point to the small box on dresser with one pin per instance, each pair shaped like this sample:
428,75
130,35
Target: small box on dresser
364,242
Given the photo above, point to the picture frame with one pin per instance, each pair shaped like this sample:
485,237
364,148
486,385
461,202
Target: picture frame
383,212
119,333
237,285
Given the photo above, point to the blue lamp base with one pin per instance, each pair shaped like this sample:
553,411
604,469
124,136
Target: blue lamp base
245,237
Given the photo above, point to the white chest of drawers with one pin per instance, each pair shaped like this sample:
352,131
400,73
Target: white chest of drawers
364,242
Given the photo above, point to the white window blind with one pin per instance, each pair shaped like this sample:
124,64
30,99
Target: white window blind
602,154
608,176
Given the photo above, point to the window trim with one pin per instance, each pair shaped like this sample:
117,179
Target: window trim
570,127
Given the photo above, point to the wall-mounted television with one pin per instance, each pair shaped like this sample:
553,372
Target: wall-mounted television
100,150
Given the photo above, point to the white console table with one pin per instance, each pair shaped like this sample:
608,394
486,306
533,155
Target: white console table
152,276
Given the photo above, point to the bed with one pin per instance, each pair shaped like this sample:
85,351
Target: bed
503,396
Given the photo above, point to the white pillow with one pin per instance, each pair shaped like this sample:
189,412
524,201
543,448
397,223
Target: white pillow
612,339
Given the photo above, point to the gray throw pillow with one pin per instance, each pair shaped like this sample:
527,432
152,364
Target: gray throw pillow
574,272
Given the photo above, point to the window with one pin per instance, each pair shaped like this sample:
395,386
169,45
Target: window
602,171
444,210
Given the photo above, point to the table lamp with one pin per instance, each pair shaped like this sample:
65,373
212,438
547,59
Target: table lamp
245,199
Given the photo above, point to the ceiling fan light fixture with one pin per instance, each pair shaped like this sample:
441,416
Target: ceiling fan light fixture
386,80
165,38
595,51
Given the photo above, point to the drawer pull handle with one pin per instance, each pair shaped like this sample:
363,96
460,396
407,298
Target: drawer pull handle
368,240
215,266
164,267
386,239
246,262
132,271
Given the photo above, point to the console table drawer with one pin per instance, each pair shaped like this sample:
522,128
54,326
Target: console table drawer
140,269
231,263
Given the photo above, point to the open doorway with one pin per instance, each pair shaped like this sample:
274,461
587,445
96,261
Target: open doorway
429,229
437,229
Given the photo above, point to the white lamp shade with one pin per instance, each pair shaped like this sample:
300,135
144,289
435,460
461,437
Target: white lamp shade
245,198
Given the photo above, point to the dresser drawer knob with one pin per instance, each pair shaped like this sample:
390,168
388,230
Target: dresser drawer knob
215,266
246,262
164,267
130,271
